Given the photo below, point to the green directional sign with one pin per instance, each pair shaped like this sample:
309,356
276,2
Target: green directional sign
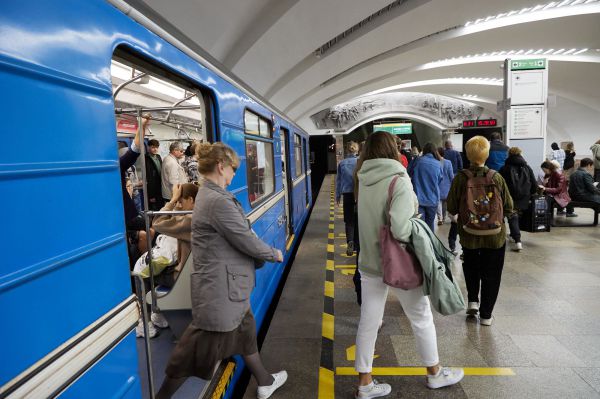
394,128
520,65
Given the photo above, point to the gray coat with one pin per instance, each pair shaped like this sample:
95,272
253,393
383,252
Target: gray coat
225,249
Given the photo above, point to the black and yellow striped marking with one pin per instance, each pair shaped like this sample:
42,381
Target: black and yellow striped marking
326,369
224,381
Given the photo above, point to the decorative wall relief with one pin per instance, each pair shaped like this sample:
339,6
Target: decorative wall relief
446,111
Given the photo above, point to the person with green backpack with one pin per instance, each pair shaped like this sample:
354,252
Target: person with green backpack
481,199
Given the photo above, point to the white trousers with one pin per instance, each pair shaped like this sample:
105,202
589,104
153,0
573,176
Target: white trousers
417,309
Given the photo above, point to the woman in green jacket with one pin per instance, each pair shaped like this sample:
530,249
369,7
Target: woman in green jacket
378,164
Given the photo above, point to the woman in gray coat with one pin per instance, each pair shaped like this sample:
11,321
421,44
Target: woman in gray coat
226,253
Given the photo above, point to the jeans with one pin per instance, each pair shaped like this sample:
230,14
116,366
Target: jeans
348,207
428,213
513,224
417,309
138,199
441,210
482,268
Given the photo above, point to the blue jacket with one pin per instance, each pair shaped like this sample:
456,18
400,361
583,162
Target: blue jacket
455,158
426,178
344,182
447,177
498,155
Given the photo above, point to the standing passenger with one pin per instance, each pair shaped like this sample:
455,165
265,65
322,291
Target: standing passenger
447,176
377,167
190,163
225,252
569,165
483,255
521,183
557,154
453,156
172,171
596,158
344,187
427,178
498,152
153,178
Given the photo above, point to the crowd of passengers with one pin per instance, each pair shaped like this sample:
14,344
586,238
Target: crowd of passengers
431,184
434,185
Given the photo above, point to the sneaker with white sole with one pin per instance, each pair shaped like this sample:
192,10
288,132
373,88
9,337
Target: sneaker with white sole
373,390
279,379
139,330
159,320
445,377
518,247
472,308
486,322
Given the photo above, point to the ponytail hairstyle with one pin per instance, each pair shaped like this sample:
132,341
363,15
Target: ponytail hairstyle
209,156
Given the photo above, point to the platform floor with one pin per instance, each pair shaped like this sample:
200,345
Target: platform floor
545,342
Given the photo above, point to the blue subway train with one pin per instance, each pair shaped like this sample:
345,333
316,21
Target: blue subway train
76,77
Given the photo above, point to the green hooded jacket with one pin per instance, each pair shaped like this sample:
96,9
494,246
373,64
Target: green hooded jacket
374,179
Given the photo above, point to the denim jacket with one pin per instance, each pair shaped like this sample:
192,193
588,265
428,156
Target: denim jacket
344,182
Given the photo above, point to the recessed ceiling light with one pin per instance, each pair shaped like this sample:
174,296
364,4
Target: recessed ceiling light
558,51
583,50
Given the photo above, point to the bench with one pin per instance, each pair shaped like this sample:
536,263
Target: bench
579,204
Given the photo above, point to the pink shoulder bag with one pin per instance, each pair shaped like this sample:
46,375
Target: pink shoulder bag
401,268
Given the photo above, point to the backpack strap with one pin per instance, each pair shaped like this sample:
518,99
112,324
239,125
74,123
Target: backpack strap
389,199
489,177
467,173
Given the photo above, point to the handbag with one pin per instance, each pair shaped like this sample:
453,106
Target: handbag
401,268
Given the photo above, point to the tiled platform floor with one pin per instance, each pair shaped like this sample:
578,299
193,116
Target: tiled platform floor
547,327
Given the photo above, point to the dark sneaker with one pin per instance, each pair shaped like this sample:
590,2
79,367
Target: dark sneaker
571,215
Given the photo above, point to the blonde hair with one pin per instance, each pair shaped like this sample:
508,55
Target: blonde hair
515,151
209,155
353,147
478,149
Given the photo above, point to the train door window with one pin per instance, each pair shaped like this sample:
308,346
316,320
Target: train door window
259,157
298,154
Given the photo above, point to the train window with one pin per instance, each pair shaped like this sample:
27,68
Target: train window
298,154
256,125
259,164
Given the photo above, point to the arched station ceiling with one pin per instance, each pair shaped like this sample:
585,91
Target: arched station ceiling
304,56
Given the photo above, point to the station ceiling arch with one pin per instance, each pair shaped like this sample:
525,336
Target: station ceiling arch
307,55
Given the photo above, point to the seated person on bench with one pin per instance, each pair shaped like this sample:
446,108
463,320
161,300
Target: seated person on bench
581,185
178,226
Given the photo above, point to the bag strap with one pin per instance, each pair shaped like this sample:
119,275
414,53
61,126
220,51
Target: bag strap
389,199
489,177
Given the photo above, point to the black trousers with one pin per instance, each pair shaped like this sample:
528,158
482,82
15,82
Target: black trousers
452,234
483,271
597,175
356,277
513,225
349,215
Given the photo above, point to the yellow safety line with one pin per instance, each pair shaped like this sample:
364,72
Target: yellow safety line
223,383
406,371
327,326
330,265
289,243
326,390
329,289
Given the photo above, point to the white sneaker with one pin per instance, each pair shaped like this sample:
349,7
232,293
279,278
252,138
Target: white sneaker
373,390
279,379
139,330
517,247
486,322
445,377
472,308
159,320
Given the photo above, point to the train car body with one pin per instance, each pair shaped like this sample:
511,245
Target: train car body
65,288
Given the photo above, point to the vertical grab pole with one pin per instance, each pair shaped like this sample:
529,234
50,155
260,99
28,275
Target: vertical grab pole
150,267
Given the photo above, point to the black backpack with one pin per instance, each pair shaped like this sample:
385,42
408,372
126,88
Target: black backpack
520,182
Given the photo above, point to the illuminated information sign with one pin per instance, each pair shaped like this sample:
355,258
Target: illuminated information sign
394,128
480,123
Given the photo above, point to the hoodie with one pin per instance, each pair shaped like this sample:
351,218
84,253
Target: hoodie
596,155
520,195
374,179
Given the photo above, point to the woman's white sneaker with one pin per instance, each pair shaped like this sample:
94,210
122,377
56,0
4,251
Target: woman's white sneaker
472,308
373,390
445,377
159,320
279,379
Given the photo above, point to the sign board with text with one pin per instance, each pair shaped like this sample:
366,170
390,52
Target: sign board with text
394,128
520,65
